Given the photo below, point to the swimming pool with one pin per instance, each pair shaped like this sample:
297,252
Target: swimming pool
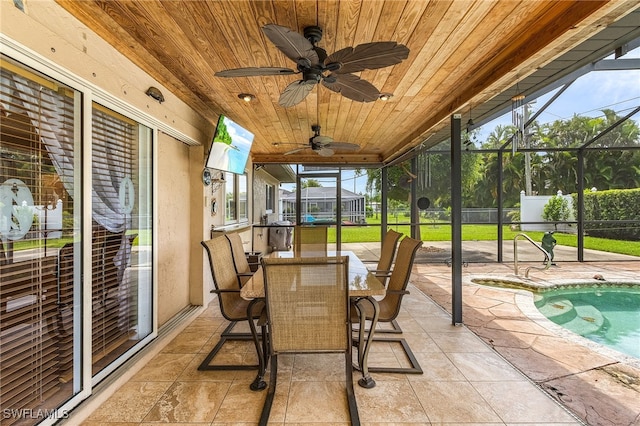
607,313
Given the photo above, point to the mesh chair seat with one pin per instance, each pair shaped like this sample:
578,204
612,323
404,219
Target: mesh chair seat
240,263
307,303
389,306
232,307
387,254
311,240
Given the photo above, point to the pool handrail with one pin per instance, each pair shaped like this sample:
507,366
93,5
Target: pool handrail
538,246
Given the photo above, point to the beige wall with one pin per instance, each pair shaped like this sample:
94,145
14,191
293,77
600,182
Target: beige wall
179,218
49,39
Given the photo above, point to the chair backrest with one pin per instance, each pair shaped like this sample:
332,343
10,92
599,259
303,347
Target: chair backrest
390,305
387,253
310,239
239,257
307,303
224,276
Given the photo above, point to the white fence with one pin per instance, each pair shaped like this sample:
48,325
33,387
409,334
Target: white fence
531,208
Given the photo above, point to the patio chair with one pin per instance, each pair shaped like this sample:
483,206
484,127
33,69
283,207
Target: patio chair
389,306
241,265
307,303
383,269
387,254
311,240
232,306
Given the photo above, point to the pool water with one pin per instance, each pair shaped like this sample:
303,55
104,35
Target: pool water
609,316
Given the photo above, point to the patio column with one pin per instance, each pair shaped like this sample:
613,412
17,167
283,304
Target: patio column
456,219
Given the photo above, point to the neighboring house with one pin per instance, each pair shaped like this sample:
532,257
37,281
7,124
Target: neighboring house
319,204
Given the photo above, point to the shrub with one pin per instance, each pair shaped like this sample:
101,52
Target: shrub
556,210
601,208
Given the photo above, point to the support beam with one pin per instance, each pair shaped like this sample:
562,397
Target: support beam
383,203
415,212
456,219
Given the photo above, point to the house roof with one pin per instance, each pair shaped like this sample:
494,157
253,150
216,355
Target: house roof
320,193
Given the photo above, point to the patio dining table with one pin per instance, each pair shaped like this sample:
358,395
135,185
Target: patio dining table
363,287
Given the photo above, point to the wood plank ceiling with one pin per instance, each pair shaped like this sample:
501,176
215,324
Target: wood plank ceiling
462,52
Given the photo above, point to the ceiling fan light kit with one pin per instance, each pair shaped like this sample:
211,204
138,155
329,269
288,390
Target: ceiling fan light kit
333,71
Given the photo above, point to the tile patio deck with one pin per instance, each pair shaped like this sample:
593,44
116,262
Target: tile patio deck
500,368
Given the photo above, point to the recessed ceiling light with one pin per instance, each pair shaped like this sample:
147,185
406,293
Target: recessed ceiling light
247,97
385,96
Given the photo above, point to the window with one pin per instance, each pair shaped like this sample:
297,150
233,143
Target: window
243,207
271,198
235,198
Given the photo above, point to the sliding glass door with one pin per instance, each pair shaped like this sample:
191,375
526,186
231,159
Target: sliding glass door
40,237
49,307
121,235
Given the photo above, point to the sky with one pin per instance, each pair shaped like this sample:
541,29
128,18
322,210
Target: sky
587,96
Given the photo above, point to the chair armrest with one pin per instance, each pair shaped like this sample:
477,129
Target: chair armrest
384,272
245,274
224,290
398,292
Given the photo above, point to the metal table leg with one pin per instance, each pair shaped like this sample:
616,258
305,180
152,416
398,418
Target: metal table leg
261,349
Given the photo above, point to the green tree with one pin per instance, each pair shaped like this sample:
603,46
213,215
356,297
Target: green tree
311,183
606,165
556,210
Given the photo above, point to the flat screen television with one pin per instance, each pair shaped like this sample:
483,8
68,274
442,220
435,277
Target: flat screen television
230,148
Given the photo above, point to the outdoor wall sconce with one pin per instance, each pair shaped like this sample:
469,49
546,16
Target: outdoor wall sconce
155,93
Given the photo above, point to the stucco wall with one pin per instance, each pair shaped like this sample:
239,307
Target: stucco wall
174,225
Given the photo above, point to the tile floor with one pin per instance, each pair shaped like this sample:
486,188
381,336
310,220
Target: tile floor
467,380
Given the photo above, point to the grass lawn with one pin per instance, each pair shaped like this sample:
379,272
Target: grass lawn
430,232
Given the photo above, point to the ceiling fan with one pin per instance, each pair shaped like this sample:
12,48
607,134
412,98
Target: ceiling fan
334,71
324,145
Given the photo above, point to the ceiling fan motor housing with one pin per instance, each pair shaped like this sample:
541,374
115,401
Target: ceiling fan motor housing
313,34
312,75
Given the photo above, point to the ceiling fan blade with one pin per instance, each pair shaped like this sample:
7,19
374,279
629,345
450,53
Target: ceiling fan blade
342,146
253,71
291,43
368,56
351,86
322,140
293,151
325,152
295,93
